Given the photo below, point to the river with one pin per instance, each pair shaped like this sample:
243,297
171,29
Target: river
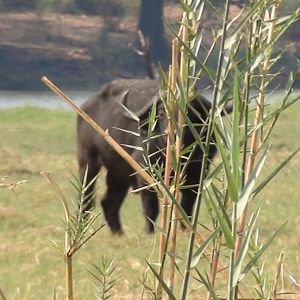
48,99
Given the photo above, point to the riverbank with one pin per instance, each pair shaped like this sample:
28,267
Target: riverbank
82,52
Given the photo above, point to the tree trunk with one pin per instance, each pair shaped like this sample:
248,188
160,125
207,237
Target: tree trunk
152,27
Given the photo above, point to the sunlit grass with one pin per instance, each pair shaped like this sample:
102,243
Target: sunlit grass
35,140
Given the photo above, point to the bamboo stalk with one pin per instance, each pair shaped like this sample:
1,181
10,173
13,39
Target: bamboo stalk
69,276
67,251
168,164
183,77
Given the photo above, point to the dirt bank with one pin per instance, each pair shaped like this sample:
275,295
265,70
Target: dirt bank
75,51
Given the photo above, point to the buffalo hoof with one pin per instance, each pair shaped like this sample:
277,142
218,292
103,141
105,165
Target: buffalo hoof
149,228
115,229
117,232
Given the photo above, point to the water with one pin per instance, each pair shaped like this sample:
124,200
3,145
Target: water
48,99
45,99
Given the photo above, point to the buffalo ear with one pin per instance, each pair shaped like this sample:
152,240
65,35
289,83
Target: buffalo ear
143,113
140,111
228,107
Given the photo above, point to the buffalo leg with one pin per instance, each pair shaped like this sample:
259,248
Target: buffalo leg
151,208
112,201
89,162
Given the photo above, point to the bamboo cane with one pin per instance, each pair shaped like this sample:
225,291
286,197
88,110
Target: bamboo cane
180,120
168,166
69,276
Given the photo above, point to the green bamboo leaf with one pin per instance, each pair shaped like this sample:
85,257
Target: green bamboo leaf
258,254
206,281
210,72
131,114
127,131
263,184
137,148
162,282
280,30
229,239
199,252
198,141
220,199
212,175
246,194
166,192
185,6
244,249
235,140
282,108
232,188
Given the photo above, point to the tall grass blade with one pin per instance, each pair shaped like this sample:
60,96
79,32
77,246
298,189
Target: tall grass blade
229,238
162,282
200,251
269,178
232,185
235,140
205,280
259,253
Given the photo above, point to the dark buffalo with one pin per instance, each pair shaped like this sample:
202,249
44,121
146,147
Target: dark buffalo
106,109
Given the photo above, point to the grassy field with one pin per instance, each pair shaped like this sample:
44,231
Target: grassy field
35,140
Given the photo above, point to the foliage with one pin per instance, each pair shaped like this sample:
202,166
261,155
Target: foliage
104,277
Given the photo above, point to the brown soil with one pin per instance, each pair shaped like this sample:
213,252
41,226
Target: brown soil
63,47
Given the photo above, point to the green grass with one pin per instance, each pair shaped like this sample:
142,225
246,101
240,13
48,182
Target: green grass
35,140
